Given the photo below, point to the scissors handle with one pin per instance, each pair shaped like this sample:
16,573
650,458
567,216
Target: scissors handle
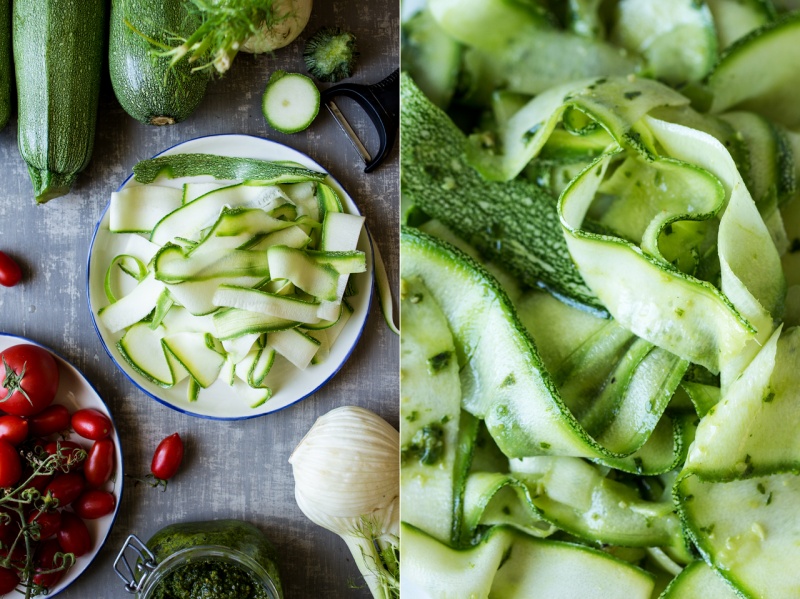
381,102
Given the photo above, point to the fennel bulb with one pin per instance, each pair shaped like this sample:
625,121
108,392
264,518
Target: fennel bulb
230,26
347,479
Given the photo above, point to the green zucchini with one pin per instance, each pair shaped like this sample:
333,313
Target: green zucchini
58,47
149,87
438,180
5,62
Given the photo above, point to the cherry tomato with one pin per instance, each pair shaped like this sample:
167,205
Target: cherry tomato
91,424
10,464
53,419
99,463
10,272
74,537
49,522
71,455
13,429
66,488
8,580
45,560
94,504
29,376
167,457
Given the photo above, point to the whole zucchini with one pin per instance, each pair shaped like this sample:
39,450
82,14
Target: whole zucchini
5,62
58,53
147,87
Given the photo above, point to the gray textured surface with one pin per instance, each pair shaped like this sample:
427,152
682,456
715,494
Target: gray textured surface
231,470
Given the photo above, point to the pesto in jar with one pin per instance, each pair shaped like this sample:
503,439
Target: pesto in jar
209,579
199,576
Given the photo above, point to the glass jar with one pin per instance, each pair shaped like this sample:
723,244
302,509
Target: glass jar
223,559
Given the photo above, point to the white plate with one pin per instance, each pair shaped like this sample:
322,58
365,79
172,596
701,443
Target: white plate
75,392
290,385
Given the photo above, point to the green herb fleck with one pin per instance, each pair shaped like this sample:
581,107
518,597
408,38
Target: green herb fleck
679,311
506,510
769,397
769,498
439,362
544,445
412,417
632,95
761,488
426,446
707,529
509,380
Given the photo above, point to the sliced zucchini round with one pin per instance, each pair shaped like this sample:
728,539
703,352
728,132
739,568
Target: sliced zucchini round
290,102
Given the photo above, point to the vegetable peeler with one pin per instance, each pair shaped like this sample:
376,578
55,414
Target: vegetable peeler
381,101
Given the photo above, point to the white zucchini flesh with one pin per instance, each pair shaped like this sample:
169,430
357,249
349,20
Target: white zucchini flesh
293,237
315,278
281,306
238,348
291,102
137,209
430,396
134,306
508,565
141,347
192,191
295,346
195,216
698,579
195,355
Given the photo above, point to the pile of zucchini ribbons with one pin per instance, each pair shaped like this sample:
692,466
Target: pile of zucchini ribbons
599,299
245,261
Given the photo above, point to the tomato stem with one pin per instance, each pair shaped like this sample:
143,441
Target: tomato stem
12,382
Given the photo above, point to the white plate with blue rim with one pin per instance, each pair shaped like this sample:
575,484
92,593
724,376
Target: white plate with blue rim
219,401
76,393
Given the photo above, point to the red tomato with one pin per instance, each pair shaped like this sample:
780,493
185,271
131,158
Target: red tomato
13,429
74,537
29,376
10,273
66,488
10,464
99,463
71,455
8,580
94,504
45,560
91,424
53,419
167,457
49,522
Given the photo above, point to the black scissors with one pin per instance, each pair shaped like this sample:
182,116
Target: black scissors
381,101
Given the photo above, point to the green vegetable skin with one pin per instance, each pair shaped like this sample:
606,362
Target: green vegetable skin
5,62
58,46
676,220
148,87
